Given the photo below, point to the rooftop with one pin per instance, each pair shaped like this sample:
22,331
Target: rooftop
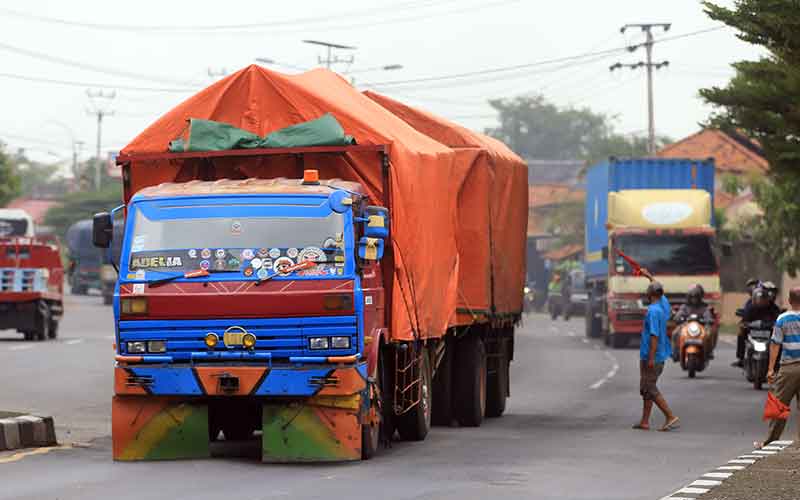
732,152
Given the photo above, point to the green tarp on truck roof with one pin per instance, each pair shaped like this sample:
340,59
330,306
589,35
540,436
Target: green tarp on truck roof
209,135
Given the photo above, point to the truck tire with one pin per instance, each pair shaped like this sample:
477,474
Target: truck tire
28,335
371,433
43,320
470,381
53,333
592,323
414,424
442,411
618,341
497,388
108,299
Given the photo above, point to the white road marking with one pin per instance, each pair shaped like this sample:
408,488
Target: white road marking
610,374
718,475
764,452
782,443
775,448
693,490
740,461
732,467
585,341
750,456
22,347
73,341
677,498
705,482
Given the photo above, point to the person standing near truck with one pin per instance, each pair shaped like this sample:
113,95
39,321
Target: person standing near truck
786,344
654,350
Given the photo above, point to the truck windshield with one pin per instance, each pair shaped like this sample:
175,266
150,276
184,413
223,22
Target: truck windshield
668,254
249,245
13,227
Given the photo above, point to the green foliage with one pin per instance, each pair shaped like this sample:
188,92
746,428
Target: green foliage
9,178
565,222
732,184
763,101
536,128
83,205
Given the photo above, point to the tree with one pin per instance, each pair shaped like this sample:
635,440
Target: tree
566,223
535,128
82,205
762,101
9,178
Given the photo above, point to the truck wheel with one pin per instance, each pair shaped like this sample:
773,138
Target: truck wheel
53,333
28,335
442,411
43,323
371,433
497,388
108,299
414,424
618,341
592,323
470,381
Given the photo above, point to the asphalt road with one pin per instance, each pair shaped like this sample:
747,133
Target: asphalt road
566,433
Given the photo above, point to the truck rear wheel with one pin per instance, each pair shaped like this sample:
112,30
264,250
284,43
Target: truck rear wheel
497,387
592,323
43,320
414,424
618,341
470,381
442,411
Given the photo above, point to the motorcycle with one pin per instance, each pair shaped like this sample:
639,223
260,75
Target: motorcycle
529,298
756,354
692,344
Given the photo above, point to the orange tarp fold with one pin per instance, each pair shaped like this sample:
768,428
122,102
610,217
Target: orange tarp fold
424,257
492,212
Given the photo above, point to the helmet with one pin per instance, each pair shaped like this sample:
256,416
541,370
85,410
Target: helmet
751,284
695,295
760,297
771,289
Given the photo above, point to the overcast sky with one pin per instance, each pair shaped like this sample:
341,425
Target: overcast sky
153,53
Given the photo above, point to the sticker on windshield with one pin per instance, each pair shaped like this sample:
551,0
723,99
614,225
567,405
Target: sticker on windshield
138,288
140,274
233,262
220,253
274,253
204,265
248,271
156,261
192,253
292,252
247,254
236,227
256,263
263,252
281,264
219,265
205,253
262,273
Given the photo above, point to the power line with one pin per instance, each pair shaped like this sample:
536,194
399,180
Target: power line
83,84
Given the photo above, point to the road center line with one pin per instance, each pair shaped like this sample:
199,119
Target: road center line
73,341
610,374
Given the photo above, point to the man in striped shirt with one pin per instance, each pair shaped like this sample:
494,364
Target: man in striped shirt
786,384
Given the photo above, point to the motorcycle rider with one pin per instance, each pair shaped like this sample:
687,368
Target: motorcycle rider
758,308
695,305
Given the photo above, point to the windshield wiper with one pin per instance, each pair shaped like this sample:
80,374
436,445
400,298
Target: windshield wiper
189,274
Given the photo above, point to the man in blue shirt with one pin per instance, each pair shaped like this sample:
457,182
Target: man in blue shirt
786,342
654,350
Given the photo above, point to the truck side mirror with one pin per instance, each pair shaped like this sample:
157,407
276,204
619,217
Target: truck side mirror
102,230
370,248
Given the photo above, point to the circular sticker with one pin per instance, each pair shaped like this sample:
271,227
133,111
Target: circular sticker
281,264
248,271
329,243
233,262
313,254
219,264
292,252
220,253
205,253
262,273
266,263
256,263
263,252
192,253
236,227
247,254
274,253
204,265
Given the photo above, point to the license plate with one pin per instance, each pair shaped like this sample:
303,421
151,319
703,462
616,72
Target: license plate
233,338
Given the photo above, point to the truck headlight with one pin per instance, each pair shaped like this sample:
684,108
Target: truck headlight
249,340
157,346
623,304
317,343
340,342
137,347
133,305
211,340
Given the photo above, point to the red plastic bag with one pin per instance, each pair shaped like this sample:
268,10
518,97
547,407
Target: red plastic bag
775,409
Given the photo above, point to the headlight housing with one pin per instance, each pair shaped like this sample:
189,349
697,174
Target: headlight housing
157,346
694,330
211,339
318,343
624,304
760,346
340,342
249,341
137,347
133,305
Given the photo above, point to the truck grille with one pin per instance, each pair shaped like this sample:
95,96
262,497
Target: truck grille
630,317
282,337
21,280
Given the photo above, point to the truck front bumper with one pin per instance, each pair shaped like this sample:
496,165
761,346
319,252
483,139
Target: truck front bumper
309,414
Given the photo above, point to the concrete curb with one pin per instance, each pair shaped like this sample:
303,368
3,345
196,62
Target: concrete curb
25,431
711,480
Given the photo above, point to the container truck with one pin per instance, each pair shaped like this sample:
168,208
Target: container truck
277,275
659,213
31,278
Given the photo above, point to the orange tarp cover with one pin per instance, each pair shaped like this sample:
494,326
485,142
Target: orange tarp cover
424,257
492,213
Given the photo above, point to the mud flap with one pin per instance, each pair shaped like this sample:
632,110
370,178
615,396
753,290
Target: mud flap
158,428
318,429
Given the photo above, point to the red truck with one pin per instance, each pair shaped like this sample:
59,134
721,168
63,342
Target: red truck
329,291
31,286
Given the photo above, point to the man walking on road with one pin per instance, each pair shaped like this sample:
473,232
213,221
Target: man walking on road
654,350
786,384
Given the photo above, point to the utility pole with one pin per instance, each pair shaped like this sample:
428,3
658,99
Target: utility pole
647,28
332,59
99,112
